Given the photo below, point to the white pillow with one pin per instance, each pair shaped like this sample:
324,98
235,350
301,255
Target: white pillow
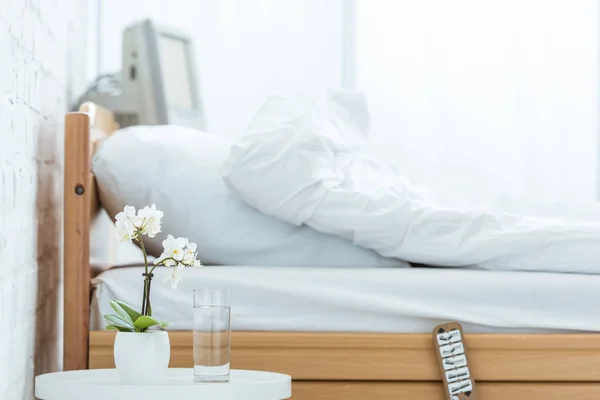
178,169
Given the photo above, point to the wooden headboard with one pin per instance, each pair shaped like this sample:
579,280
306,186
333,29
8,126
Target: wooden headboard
84,131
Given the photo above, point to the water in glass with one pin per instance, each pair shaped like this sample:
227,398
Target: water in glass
211,343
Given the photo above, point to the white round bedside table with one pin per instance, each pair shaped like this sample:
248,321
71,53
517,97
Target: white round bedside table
104,384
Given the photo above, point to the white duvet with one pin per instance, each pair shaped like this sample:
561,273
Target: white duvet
302,160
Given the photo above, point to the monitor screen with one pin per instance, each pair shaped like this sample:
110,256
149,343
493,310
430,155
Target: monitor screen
175,67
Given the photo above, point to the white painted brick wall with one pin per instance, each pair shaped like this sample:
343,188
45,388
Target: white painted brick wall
35,37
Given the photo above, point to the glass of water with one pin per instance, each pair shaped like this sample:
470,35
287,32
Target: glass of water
212,335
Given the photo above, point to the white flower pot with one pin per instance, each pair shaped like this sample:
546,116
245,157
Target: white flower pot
142,358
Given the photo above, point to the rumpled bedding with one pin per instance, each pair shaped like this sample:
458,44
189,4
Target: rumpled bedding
303,160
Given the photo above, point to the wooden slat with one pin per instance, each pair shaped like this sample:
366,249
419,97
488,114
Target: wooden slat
393,357
81,140
76,240
307,390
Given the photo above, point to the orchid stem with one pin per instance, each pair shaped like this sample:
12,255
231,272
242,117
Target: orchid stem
146,310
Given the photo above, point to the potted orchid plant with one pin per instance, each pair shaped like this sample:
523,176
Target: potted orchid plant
142,347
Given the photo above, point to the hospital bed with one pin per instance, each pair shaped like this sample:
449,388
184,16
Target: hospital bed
346,334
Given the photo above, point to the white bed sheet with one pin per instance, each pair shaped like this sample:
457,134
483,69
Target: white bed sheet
369,299
304,159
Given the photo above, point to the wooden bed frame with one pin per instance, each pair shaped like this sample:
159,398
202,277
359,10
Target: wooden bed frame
329,366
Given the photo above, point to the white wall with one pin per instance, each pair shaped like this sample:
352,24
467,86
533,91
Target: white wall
246,49
486,98
37,71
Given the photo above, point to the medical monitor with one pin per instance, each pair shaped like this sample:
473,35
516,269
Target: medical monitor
157,83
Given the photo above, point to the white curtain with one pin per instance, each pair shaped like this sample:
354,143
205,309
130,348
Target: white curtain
486,98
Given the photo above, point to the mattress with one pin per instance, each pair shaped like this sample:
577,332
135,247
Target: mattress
368,299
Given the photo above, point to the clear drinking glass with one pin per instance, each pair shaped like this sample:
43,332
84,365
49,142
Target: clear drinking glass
212,335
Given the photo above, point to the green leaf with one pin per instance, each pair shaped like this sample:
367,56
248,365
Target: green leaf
145,322
132,312
163,324
118,328
121,311
116,320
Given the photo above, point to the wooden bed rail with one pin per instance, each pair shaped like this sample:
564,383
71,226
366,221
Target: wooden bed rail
406,357
78,193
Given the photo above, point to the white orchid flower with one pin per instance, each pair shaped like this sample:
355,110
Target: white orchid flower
178,253
190,254
125,224
150,219
170,243
173,248
174,276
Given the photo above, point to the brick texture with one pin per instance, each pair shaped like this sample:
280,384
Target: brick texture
35,58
